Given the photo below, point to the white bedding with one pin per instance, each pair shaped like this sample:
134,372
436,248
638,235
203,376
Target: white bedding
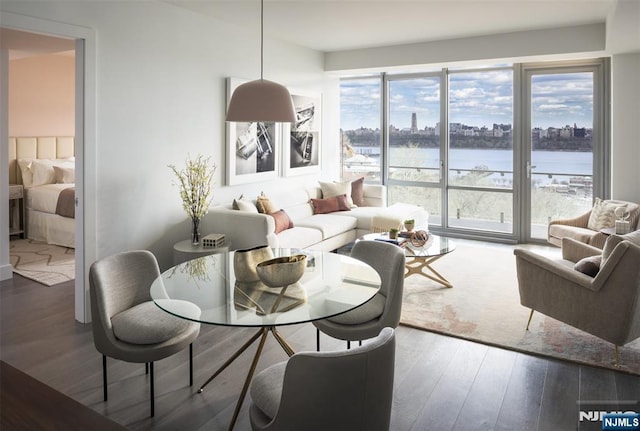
44,198
43,224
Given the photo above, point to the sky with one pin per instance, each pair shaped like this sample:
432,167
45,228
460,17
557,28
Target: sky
479,98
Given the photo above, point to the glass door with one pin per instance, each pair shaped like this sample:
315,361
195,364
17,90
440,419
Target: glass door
562,147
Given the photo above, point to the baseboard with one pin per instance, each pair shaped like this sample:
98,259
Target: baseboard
6,272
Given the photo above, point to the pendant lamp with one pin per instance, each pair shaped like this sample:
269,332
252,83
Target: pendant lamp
261,100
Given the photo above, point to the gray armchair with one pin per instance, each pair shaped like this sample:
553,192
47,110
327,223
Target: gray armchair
384,308
126,324
606,305
578,227
348,390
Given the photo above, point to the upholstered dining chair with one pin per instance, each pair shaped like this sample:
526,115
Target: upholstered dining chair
126,323
596,291
348,390
383,309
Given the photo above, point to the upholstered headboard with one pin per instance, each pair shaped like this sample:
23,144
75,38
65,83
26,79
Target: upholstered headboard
38,147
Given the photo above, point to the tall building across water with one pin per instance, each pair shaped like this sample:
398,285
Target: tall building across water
414,123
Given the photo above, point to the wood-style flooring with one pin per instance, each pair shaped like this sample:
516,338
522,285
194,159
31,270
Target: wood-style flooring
441,383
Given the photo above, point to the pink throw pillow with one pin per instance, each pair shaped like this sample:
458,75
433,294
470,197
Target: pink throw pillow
329,205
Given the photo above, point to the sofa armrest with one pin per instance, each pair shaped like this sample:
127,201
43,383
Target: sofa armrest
243,229
580,221
574,250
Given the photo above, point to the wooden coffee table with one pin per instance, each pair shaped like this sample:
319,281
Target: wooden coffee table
419,259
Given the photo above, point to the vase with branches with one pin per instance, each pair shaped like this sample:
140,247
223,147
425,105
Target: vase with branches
195,182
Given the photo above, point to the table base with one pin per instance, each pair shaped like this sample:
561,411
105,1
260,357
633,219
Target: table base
262,334
419,263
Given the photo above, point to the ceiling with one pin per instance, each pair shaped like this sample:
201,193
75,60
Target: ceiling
335,25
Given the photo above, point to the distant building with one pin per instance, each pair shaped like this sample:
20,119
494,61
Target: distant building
414,123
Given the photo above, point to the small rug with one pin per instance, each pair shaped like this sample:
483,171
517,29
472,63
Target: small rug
45,263
484,306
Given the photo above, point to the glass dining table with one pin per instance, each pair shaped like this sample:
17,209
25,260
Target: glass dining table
331,284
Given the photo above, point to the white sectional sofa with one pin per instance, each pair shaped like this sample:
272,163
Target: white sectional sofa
247,229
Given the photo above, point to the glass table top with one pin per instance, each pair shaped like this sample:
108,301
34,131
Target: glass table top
206,290
435,245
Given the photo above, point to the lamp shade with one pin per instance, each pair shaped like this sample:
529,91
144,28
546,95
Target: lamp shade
262,101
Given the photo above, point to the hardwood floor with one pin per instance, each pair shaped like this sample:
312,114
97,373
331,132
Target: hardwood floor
441,383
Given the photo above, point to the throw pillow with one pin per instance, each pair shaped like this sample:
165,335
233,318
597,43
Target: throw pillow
602,214
64,175
357,192
264,205
330,205
242,204
331,189
283,222
589,265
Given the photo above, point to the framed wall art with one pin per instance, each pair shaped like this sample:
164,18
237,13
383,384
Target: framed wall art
302,145
252,149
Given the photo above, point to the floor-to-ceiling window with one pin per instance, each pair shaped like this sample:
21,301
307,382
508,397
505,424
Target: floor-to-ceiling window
494,151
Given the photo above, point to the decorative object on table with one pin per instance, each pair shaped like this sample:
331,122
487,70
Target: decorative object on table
622,223
282,271
246,261
393,233
419,238
195,182
409,225
213,240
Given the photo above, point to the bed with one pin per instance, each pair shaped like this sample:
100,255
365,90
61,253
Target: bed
45,166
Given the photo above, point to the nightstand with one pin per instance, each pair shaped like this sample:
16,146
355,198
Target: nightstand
184,251
16,210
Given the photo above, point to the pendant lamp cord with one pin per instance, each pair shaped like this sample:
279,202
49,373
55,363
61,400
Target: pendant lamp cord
261,39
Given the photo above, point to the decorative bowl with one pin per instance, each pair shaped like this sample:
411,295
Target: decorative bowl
282,271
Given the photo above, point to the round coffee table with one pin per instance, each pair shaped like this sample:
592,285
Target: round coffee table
419,259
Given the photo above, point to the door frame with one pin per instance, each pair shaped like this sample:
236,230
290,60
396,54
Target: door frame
85,144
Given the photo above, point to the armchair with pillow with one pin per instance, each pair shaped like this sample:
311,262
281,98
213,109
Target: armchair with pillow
586,227
600,298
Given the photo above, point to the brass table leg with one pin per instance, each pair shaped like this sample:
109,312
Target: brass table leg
419,263
262,334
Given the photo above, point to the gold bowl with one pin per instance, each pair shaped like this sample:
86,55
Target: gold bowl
282,271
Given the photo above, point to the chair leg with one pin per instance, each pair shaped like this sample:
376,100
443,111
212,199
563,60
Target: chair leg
617,356
529,321
317,340
152,389
191,364
104,376
146,368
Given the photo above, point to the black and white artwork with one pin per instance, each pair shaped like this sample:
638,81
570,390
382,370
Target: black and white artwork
302,152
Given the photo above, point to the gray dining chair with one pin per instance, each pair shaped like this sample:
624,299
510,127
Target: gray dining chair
347,390
126,323
383,309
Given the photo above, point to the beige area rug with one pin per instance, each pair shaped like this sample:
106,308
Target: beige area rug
45,263
484,306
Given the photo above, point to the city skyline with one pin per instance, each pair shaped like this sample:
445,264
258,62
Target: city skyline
477,99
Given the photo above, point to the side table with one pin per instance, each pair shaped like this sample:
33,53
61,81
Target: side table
16,207
184,251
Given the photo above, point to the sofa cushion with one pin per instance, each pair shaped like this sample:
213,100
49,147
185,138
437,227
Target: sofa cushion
299,237
329,224
581,234
264,205
589,265
329,205
330,189
282,220
602,214
243,204
357,192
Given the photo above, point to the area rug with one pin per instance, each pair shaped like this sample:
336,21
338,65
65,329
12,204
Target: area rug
484,306
45,263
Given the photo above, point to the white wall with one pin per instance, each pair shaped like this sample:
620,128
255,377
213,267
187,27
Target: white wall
625,126
160,96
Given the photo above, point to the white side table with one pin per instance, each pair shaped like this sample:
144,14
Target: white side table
184,251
